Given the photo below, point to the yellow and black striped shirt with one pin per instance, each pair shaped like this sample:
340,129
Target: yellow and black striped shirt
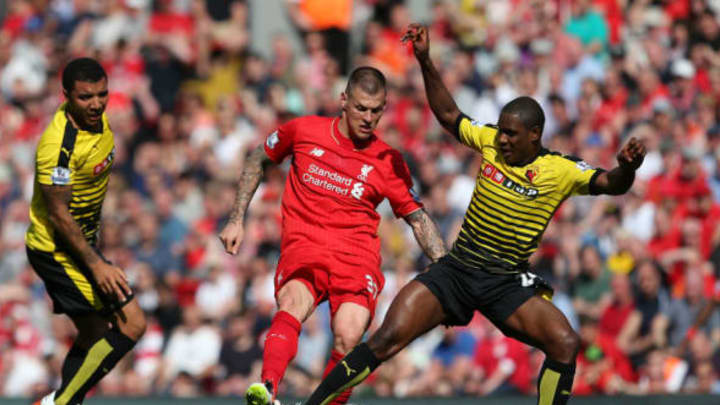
81,159
512,205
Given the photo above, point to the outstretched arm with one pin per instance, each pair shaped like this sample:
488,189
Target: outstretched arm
618,180
439,98
232,235
427,234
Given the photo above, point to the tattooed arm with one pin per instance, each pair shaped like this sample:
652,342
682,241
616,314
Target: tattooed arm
110,279
232,235
427,234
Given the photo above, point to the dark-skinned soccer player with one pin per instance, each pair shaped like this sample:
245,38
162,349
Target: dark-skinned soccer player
518,189
72,172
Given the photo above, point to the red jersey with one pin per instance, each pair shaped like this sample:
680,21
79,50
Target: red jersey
332,190
502,351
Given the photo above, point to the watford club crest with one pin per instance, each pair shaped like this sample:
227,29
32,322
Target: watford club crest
531,174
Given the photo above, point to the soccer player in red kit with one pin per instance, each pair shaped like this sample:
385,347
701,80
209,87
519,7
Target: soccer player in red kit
330,250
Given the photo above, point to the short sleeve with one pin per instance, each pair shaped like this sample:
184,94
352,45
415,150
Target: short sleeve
53,164
581,177
399,188
280,143
474,134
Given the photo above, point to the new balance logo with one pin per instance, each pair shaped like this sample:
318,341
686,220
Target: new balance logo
350,371
317,152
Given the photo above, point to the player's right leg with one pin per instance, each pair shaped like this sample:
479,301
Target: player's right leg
296,299
107,329
349,322
414,311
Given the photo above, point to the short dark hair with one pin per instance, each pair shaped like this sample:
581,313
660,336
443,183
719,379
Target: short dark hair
367,78
84,70
529,111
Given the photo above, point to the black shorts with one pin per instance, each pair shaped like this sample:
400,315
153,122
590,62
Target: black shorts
70,284
462,290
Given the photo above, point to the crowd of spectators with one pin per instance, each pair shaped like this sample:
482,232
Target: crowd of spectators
189,96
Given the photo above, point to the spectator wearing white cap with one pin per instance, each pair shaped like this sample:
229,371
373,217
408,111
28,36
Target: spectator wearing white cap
682,86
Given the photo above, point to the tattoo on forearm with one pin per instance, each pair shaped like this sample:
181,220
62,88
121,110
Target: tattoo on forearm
249,181
427,234
57,199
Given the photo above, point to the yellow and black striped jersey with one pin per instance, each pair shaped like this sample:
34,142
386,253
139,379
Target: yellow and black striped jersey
78,158
512,205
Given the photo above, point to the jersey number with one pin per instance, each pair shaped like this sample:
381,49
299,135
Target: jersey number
372,287
527,279
357,190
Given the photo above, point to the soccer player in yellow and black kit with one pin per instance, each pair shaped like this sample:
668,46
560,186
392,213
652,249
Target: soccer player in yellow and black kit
518,189
72,169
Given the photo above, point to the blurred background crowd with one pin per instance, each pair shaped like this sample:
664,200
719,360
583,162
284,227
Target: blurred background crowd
191,91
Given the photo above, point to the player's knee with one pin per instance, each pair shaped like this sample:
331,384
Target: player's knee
135,326
140,326
291,305
348,334
565,345
386,342
294,303
571,340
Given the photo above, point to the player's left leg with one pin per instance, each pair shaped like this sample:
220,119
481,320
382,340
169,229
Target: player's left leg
107,328
349,323
539,323
97,349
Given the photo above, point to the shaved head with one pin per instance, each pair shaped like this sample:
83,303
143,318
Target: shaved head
366,78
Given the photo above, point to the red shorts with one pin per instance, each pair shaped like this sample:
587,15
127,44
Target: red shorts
337,278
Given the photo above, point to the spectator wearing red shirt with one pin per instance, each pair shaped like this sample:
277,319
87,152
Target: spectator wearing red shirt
504,364
623,303
599,361
19,13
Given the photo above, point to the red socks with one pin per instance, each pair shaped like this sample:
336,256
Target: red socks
335,357
281,345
